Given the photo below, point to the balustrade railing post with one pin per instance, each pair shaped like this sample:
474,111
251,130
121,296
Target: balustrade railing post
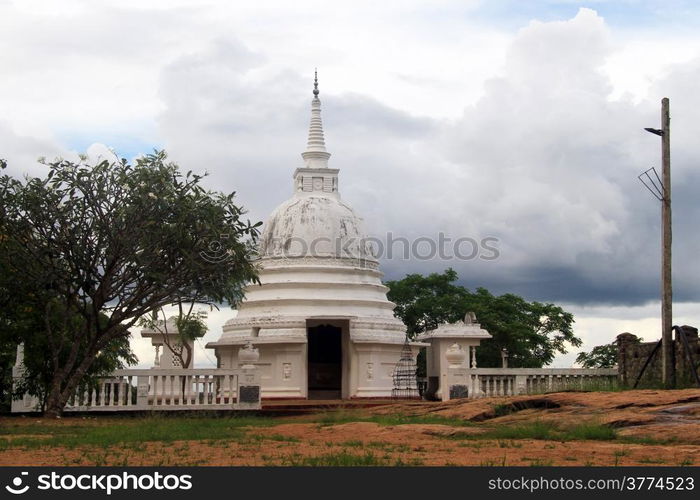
142,390
127,390
249,390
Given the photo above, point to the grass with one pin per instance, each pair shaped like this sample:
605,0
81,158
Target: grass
619,454
345,459
509,444
273,437
344,417
648,440
534,430
543,430
591,432
379,445
494,463
537,462
132,434
355,443
501,410
134,431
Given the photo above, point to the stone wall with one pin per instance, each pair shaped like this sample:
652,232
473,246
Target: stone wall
632,356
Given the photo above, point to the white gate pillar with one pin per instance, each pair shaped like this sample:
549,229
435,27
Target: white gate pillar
452,379
248,392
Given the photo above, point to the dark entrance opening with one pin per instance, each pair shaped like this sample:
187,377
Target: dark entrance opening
325,356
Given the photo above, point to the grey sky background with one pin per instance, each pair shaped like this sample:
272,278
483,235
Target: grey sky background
468,118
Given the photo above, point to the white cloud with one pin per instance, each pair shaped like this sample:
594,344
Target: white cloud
22,151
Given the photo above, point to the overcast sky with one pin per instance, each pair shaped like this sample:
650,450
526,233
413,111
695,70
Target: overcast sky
517,120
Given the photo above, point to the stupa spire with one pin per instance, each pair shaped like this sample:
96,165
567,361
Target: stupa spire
316,155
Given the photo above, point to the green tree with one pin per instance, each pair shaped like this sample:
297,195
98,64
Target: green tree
532,332
117,240
7,359
38,372
602,356
23,315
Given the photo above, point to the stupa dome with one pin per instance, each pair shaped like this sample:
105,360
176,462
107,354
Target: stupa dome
315,225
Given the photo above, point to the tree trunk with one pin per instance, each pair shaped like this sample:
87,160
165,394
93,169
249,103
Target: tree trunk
186,362
53,406
58,397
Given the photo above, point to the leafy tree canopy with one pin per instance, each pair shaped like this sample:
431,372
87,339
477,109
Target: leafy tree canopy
532,332
100,246
38,371
602,356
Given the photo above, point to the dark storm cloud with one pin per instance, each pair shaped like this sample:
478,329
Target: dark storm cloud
543,161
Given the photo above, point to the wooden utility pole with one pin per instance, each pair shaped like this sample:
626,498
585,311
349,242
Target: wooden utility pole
667,365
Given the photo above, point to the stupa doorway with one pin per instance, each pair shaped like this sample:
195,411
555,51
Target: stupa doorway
326,349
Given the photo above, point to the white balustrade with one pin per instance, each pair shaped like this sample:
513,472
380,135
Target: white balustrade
485,382
162,389
197,389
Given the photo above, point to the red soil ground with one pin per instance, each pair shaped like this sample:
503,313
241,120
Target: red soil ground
653,428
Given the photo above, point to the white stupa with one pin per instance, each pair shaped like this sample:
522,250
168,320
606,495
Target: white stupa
320,318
